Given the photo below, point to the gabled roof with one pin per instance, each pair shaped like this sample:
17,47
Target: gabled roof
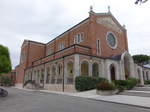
107,14
112,17
69,29
26,41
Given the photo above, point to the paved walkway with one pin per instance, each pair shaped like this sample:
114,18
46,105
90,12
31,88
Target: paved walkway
35,101
136,97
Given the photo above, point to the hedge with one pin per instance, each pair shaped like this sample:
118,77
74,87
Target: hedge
147,82
126,84
132,82
83,83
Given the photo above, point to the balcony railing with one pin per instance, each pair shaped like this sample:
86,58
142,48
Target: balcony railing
76,48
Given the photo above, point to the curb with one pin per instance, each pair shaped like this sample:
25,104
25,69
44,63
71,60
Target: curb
98,100
120,103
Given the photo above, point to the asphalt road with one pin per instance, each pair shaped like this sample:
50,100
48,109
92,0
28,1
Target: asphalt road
27,101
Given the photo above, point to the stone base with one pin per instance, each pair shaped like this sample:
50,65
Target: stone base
19,85
59,87
106,92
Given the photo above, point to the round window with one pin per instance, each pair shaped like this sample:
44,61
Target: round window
111,40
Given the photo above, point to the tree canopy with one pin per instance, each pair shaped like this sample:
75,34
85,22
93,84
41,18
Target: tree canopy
141,58
140,1
5,63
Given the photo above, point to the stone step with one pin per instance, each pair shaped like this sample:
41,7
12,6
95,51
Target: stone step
136,93
141,89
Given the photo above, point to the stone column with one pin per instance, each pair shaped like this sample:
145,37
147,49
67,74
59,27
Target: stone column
132,73
65,72
40,73
56,72
45,75
76,65
122,70
107,71
102,69
90,68
136,71
118,67
141,77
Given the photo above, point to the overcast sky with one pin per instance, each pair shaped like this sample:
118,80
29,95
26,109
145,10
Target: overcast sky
43,20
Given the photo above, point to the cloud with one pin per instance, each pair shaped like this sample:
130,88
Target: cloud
42,20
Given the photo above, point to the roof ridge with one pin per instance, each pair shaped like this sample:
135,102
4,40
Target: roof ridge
68,30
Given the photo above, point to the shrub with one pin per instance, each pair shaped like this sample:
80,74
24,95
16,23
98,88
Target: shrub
105,85
131,82
126,84
147,82
120,88
83,83
120,82
6,80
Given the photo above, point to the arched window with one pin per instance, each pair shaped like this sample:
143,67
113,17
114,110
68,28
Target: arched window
78,38
70,72
98,46
85,68
61,45
60,69
48,75
95,70
53,69
147,75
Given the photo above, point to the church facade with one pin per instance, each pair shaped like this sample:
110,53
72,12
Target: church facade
97,46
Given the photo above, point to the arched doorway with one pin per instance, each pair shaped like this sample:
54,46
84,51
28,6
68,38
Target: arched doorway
34,76
112,72
147,75
60,69
144,75
42,78
53,75
95,70
70,72
59,73
85,68
48,75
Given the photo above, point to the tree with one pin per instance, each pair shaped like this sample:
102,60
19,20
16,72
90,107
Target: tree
140,1
140,59
5,63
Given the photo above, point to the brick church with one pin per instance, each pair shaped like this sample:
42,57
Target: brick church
97,46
